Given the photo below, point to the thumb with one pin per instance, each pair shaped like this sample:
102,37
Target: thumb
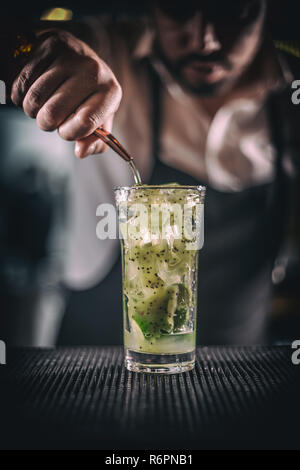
92,144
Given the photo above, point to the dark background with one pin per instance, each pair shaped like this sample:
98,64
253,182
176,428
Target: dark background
284,14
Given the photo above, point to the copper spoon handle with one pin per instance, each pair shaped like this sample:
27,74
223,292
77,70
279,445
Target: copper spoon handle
113,143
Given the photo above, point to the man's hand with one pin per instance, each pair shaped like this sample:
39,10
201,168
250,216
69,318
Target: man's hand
66,86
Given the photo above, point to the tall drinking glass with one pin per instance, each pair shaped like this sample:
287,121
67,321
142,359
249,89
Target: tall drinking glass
161,232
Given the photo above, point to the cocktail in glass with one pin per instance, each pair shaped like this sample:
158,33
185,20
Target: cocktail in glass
161,232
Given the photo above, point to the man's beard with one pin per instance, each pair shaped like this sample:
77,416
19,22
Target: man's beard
202,88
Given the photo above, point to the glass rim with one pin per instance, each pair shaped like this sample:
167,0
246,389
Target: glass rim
158,186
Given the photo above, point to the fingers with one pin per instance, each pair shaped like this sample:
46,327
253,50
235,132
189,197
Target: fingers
92,144
62,102
88,146
66,86
42,89
92,113
43,56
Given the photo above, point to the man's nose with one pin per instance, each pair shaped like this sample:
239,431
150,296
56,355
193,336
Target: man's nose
202,36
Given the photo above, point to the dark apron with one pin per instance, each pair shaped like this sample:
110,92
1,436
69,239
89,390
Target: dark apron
243,233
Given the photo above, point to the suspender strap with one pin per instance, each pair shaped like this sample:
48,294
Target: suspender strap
156,117
281,197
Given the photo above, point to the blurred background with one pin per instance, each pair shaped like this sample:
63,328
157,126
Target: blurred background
284,19
34,184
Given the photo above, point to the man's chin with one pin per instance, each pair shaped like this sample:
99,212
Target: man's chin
203,88
204,81
204,73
